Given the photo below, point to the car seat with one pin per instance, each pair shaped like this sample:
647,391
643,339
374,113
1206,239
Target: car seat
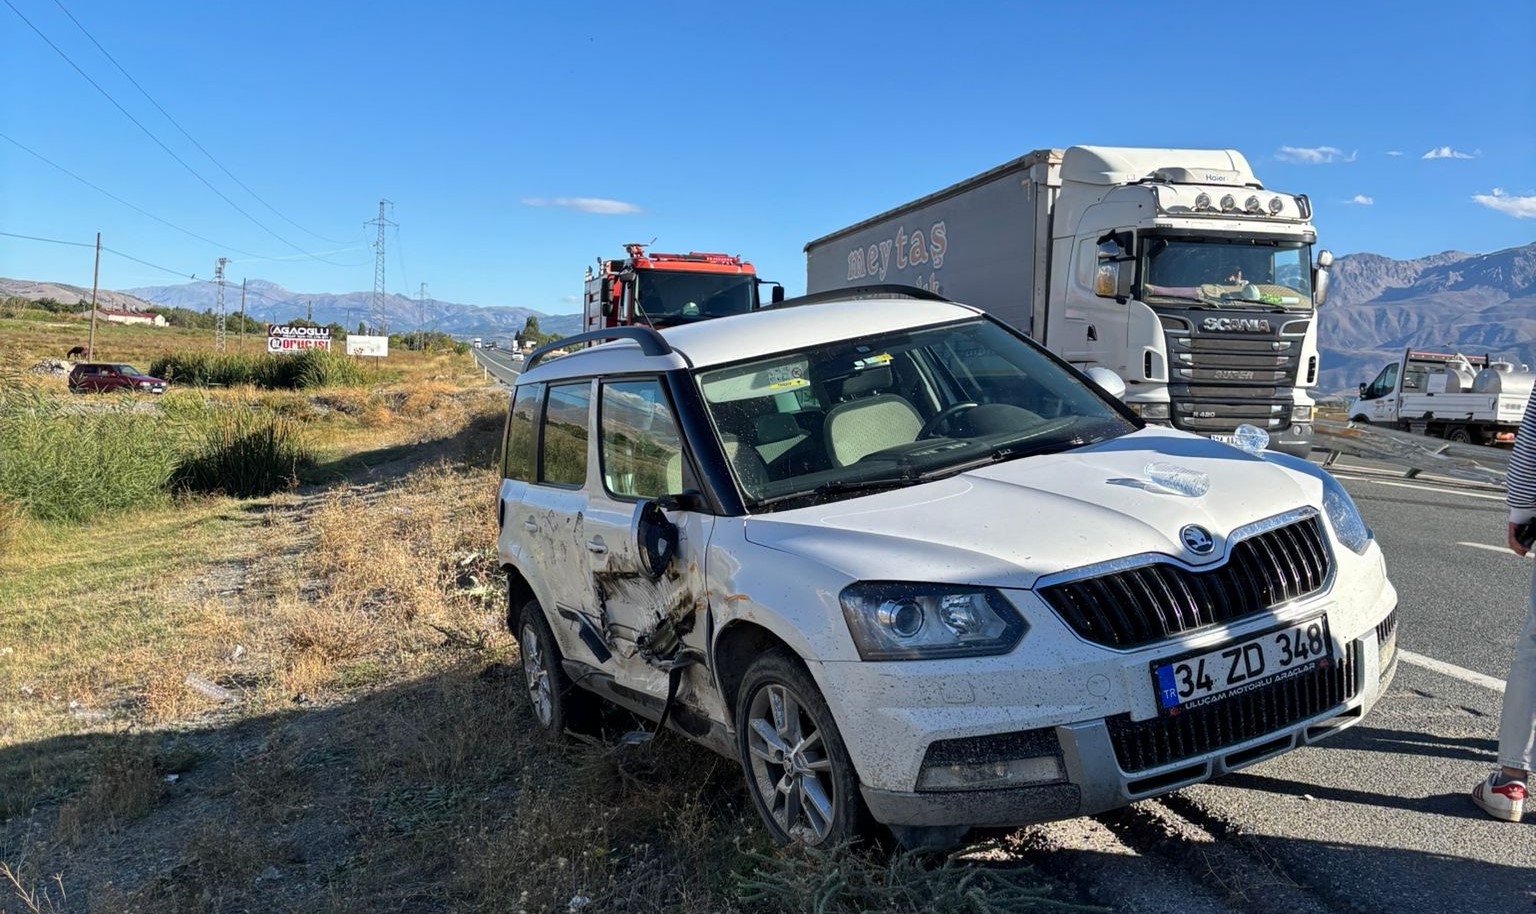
867,421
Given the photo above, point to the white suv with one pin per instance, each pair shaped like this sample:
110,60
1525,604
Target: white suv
911,569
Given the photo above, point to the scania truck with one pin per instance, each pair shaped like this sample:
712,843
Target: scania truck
1174,268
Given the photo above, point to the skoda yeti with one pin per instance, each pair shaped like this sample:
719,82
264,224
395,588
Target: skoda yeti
913,571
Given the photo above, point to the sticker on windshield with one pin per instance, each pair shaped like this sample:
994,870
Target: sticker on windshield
874,361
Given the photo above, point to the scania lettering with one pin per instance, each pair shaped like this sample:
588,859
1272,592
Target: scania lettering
1117,258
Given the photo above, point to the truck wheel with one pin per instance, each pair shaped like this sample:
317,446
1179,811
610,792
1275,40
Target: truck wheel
1460,434
558,705
797,769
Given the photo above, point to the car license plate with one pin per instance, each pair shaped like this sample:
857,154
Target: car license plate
1224,439
1199,679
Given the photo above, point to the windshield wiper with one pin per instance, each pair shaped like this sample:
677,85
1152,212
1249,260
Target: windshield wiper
839,486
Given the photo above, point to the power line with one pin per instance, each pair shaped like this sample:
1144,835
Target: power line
81,244
188,232
168,151
183,130
380,319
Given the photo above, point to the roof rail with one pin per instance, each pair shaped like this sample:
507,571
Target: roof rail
878,290
651,342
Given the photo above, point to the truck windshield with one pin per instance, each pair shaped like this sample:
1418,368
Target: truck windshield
677,298
896,409
1228,273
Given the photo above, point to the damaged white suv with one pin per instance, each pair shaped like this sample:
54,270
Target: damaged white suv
911,569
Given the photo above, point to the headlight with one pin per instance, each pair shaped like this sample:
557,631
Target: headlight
1340,509
891,620
1301,414
1150,410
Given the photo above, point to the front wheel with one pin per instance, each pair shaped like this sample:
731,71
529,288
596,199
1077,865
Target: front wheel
1460,434
557,704
797,768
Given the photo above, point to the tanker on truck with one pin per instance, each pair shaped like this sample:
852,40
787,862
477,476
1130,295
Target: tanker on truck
1469,399
664,290
1174,268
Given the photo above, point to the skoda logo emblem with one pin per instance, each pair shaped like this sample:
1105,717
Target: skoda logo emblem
1197,539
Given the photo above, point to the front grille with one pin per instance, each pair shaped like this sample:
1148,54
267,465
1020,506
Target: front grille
1386,628
1157,601
1219,382
1141,745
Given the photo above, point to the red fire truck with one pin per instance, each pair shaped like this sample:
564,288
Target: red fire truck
664,290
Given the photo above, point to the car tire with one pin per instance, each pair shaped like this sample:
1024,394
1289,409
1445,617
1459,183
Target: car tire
797,769
1460,434
557,704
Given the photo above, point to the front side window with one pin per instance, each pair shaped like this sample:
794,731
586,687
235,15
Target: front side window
564,454
1228,273
640,444
518,446
896,409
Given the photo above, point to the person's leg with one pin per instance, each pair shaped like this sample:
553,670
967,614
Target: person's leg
1517,721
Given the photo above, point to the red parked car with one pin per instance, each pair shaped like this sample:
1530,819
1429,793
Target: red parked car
102,377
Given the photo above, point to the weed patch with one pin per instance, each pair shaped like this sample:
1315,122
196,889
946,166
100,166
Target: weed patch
243,453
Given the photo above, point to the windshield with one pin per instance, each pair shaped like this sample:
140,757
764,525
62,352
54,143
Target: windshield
125,369
675,298
1228,273
896,409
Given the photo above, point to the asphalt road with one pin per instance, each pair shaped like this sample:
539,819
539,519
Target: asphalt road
499,363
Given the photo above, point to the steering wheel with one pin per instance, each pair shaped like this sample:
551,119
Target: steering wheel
943,416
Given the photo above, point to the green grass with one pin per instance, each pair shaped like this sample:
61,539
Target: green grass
244,453
308,370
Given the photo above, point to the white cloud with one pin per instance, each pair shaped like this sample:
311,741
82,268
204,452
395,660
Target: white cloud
596,205
1510,205
1360,200
1395,154
1314,155
1446,152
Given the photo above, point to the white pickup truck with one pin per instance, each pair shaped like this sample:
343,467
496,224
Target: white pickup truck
1469,399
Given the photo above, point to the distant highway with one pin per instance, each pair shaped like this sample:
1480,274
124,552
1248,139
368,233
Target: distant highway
499,363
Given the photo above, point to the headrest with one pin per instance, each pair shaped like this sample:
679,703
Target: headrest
867,382
776,427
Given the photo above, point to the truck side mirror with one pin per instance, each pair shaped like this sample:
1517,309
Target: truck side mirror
1362,389
605,295
1320,278
777,295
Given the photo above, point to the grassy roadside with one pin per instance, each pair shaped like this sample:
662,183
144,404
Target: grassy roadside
307,702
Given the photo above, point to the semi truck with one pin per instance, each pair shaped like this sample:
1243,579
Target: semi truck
1174,268
663,290
1468,399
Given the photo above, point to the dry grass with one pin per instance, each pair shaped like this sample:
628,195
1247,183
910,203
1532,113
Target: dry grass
381,755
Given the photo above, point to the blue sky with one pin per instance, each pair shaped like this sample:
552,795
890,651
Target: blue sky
519,141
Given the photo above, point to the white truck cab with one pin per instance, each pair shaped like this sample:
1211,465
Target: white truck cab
912,570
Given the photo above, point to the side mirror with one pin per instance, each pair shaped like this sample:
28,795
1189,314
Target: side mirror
1320,278
1108,381
777,295
1362,388
655,537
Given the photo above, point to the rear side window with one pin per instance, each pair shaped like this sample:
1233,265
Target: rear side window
641,448
564,454
517,448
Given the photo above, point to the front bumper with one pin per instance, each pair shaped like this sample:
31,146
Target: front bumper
1096,781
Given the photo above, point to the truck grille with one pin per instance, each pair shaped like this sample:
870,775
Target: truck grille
1141,745
1158,601
1220,381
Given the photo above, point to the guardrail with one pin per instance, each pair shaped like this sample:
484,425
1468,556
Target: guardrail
1415,453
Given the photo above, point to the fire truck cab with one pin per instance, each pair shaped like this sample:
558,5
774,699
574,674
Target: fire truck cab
664,290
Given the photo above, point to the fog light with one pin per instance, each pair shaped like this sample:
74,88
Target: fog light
1275,206
1202,201
1015,772
1150,410
1228,203
1301,413
1253,205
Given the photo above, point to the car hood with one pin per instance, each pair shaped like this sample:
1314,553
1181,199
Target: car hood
1010,523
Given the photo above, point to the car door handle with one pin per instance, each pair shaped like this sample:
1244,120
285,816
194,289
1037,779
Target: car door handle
530,524
596,546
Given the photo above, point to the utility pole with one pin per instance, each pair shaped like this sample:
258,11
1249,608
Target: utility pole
242,314
421,316
90,344
380,319
310,314
218,319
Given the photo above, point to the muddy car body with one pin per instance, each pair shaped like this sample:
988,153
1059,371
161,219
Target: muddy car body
910,569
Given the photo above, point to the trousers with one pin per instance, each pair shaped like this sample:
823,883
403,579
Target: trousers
1517,721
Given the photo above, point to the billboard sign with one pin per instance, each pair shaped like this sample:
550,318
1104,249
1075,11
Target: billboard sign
376,346
285,340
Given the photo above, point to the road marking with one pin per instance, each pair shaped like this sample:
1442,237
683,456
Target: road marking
1491,548
1452,670
1409,485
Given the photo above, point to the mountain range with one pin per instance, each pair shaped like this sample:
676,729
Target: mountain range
1377,307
